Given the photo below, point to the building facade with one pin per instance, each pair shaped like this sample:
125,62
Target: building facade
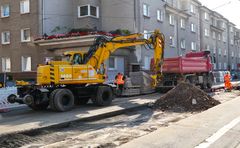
187,26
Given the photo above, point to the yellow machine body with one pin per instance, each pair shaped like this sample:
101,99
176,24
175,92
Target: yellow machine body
75,70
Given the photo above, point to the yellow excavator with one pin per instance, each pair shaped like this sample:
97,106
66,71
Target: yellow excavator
80,76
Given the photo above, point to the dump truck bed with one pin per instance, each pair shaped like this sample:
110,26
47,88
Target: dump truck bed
185,65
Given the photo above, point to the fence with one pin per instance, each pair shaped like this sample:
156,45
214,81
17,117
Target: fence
4,93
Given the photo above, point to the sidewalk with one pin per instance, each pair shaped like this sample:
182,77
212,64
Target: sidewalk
28,120
192,131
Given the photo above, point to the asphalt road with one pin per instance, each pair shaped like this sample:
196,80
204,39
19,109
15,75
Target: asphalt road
217,127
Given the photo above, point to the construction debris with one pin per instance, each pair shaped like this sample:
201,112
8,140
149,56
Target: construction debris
185,97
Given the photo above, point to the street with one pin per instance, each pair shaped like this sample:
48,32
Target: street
128,127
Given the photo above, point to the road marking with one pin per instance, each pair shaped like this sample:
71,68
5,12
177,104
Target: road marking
219,134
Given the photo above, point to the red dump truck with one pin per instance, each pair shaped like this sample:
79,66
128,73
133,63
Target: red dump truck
195,68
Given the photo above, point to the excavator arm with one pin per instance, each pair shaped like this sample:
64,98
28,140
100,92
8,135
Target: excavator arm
103,48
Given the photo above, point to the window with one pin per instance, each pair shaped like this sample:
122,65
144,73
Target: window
193,27
219,51
214,49
192,8
233,66
146,10
206,32
112,63
215,66
214,22
224,39
25,35
231,41
26,63
171,19
5,11
88,10
231,29
219,37
6,65
232,54
159,15
213,35
223,25
146,34
147,62
206,16
24,6
183,23
225,52
6,37
183,44
207,47
219,65
193,46
171,41
225,65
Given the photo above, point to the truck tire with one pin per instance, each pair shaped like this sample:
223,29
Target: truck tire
204,84
210,81
82,101
63,100
51,99
103,97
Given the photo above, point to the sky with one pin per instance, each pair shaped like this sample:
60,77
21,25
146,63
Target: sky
230,9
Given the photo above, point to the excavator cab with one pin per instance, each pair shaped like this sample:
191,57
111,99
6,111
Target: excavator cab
75,58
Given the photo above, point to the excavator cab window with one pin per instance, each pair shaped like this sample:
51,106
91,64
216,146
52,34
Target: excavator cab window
65,58
77,59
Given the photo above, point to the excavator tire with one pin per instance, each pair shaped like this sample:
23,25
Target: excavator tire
63,100
103,97
51,99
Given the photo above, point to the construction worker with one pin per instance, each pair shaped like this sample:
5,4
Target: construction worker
119,81
227,82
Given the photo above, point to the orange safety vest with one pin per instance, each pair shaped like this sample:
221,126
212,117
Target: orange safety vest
119,80
227,78
227,81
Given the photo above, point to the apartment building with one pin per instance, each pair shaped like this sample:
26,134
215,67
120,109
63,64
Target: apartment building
186,24
18,26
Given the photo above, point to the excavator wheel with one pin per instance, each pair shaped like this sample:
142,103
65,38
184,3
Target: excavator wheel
103,97
63,100
51,99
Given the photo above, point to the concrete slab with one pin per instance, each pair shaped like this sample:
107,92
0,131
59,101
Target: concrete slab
27,120
191,131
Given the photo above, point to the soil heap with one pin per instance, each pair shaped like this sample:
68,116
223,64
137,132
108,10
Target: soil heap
185,97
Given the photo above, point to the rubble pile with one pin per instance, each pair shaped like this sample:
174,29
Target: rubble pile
185,97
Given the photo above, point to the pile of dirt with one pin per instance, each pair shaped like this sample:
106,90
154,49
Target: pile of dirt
185,97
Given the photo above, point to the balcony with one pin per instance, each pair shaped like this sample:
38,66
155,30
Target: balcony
237,36
174,10
217,28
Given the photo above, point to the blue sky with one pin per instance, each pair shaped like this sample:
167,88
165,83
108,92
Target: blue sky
228,8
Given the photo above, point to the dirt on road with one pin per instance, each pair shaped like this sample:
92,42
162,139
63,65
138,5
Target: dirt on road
185,97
